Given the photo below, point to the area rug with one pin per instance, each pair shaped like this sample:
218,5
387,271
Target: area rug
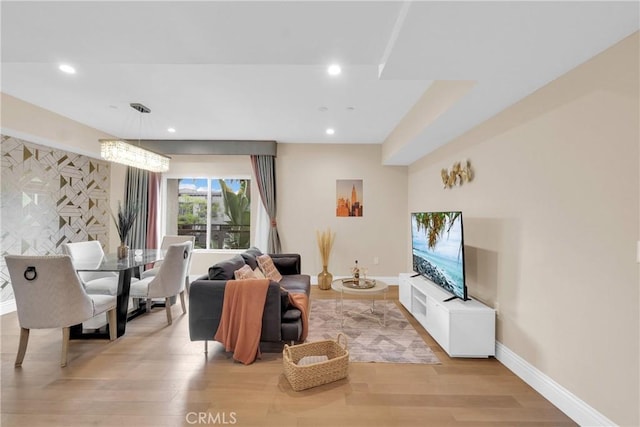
367,340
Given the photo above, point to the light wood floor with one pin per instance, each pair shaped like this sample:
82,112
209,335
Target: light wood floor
155,376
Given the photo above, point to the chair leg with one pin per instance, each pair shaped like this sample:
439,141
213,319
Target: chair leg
22,347
206,347
184,306
148,305
65,346
167,304
113,327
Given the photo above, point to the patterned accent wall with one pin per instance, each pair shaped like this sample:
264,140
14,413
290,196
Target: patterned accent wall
49,197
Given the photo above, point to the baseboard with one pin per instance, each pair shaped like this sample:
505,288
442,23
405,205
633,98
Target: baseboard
8,306
563,399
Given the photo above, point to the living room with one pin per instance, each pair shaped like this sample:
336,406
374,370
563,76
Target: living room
551,220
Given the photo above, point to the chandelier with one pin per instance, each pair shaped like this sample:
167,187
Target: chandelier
119,151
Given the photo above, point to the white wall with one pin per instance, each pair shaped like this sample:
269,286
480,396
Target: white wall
306,177
551,224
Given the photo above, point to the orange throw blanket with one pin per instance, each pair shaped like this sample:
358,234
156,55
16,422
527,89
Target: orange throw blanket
301,302
241,322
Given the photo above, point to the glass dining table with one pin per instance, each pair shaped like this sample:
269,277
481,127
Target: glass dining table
126,268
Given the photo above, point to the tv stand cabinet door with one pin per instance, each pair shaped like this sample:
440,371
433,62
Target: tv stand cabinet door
438,323
472,334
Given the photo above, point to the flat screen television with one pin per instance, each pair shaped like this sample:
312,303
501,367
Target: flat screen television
437,247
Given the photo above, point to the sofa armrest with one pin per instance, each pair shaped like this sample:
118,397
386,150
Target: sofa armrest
205,310
287,263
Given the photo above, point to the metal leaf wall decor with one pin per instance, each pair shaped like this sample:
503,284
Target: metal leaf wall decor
458,174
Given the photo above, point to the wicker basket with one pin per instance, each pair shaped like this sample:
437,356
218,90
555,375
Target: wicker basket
302,377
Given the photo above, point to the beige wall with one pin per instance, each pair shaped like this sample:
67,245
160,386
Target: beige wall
306,193
551,224
32,123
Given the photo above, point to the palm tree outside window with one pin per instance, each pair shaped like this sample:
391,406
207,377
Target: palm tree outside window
216,211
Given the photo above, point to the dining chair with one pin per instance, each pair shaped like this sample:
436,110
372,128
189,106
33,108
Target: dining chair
95,282
167,241
49,294
169,282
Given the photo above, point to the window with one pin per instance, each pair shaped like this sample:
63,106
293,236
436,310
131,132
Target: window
217,212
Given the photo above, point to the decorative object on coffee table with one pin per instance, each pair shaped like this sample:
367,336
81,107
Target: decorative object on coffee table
325,243
124,223
359,283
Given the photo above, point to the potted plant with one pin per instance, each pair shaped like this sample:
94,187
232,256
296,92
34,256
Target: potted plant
124,222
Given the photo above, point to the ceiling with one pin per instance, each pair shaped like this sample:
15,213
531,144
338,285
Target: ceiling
240,70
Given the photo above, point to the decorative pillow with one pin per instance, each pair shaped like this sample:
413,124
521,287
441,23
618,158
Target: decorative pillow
250,255
259,274
224,270
268,268
244,273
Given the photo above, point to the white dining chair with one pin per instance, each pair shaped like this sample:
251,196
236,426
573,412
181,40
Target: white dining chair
49,294
95,282
167,241
169,282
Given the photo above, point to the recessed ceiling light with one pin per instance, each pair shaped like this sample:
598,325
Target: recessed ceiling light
171,130
334,70
330,131
66,68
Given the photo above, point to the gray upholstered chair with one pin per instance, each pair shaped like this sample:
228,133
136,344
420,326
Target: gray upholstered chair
49,294
95,282
166,242
169,281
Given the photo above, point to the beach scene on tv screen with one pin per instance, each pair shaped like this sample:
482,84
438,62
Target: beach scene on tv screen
442,263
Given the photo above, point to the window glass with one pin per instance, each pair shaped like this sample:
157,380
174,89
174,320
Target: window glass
217,212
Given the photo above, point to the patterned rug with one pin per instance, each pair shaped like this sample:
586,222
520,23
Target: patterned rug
368,340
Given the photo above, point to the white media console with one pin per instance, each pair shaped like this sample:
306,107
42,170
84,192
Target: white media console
462,328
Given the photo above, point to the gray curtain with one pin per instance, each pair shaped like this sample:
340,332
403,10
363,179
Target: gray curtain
136,192
264,169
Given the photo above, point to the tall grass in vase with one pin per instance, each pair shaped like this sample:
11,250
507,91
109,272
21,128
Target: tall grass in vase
325,243
124,223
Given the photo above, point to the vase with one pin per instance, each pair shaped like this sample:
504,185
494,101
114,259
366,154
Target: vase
123,251
324,279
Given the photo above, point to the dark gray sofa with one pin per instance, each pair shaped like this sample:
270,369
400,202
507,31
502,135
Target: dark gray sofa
280,322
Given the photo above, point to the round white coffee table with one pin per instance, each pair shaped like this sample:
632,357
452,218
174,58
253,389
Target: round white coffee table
379,288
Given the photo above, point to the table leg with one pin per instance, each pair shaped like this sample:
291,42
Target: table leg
124,285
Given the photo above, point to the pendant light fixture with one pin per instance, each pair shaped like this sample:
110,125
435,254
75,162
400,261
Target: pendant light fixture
119,151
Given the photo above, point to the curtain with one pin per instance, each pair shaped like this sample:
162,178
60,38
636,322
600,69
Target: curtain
152,210
265,173
262,226
136,193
